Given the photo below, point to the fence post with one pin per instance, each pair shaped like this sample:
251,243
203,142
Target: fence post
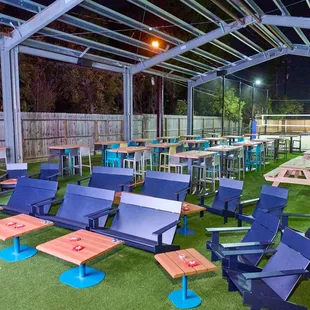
96,131
65,131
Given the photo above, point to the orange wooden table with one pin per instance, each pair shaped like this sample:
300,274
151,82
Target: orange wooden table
184,263
14,227
79,247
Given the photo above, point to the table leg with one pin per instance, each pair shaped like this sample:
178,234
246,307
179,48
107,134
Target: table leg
291,144
17,252
184,298
185,230
82,277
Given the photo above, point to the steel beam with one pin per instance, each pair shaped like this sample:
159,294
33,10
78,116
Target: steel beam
286,21
240,65
196,42
128,104
190,108
11,104
146,5
160,106
39,21
34,7
152,31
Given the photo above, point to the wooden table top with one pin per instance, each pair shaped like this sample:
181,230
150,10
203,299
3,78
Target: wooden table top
193,154
3,148
250,134
263,140
274,138
67,146
233,137
248,143
167,138
31,224
226,148
193,141
176,266
94,246
298,163
192,208
9,182
109,142
129,149
142,140
190,136
162,145
214,139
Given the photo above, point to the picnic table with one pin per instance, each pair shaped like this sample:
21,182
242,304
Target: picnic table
298,167
60,151
13,228
103,146
184,263
80,247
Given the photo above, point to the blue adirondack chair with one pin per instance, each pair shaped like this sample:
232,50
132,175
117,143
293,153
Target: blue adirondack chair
13,171
259,236
143,222
27,192
272,200
111,178
48,172
226,199
166,185
77,206
270,287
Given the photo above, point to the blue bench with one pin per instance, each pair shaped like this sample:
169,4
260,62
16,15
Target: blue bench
14,171
270,287
166,185
79,204
259,236
143,222
27,192
109,178
272,200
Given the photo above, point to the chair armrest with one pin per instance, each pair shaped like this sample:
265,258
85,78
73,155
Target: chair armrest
274,208
230,198
274,274
34,175
52,176
135,184
98,214
224,229
180,191
81,180
165,228
249,201
248,252
245,244
7,192
296,214
40,204
3,176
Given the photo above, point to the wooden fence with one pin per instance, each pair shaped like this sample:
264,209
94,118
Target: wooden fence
41,130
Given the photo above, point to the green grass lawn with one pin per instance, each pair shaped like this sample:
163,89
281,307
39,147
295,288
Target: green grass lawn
133,280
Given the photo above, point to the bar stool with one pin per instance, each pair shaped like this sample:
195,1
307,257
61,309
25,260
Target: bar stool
283,147
84,151
136,164
112,159
164,158
147,158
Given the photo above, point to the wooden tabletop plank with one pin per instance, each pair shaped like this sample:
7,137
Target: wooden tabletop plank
169,265
9,182
162,145
31,224
174,256
167,138
202,260
67,146
193,141
129,149
193,154
233,137
188,257
141,140
192,208
214,139
95,245
224,149
248,143
109,142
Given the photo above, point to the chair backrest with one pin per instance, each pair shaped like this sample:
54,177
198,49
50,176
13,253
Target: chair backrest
206,144
228,189
293,252
142,215
132,143
138,156
84,151
165,185
28,191
81,200
264,228
307,233
272,197
48,170
147,154
110,178
15,171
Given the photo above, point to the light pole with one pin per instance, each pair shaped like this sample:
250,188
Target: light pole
257,82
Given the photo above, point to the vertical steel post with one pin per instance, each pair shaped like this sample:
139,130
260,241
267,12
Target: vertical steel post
128,104
184,287
239,110
223,103
11,104
16,245
267,110
160,105
189,108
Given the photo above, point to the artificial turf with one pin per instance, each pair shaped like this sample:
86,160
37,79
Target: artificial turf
133,279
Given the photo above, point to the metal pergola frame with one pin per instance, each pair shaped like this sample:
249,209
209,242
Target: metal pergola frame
244,13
